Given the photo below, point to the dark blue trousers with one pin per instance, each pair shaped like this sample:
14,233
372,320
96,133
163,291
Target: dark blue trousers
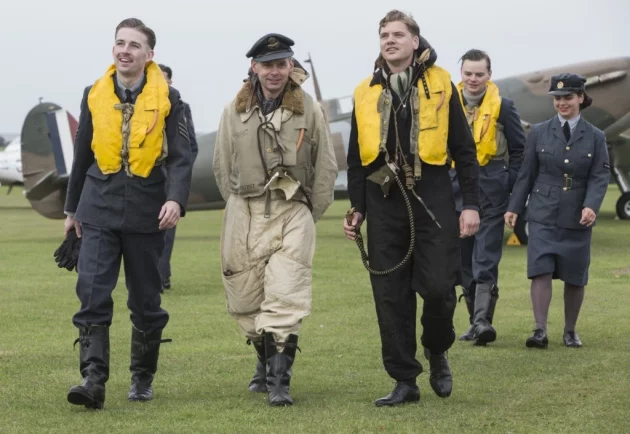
98,269
165,257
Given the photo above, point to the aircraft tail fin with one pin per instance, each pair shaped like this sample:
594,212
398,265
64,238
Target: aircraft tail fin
62,128
47,138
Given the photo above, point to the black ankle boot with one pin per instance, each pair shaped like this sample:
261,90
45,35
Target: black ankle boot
484,332
537,340
403,392
259,380
440,377
572,340
279,369
145,351
94,366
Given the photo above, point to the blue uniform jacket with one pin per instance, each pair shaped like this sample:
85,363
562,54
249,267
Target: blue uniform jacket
117,201
494,184
560,178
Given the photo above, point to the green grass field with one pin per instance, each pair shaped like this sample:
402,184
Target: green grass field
201,385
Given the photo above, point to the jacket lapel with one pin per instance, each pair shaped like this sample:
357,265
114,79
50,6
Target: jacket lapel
578,132
557,130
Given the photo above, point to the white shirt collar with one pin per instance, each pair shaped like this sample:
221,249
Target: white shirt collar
572,122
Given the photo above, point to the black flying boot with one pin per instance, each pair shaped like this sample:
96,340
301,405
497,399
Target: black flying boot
484,332
493,303
279,369
94,366
259,380
469,297
145,351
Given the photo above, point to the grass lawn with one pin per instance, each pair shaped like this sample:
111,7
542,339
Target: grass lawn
201,384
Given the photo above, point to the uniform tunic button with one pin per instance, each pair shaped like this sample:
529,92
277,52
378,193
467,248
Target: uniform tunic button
568,149
566,175
269,150
566,161
589,155
564,188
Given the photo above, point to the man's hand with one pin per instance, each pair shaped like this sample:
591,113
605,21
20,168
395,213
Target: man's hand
588,217
350,229
510,219
169,214
69,224
468,223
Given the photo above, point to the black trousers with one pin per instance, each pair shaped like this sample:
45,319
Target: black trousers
165,258
433,270
99,266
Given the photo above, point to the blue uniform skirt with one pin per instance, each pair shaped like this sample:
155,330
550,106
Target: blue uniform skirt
564,252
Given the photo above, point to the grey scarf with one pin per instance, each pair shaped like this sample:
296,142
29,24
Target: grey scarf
473,100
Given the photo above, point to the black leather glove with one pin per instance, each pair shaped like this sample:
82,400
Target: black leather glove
67,255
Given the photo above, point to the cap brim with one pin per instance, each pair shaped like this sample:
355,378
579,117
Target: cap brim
274,56
563,92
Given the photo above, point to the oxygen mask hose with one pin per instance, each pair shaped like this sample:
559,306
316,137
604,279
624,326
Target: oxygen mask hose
412,240
410,185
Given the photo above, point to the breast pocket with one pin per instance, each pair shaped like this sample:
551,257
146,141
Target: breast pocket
429,109
546,155
291,140
585,160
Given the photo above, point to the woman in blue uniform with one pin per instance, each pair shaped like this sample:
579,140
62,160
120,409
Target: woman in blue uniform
565,173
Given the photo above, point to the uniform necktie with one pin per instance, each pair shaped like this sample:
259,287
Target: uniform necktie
567,130
128,97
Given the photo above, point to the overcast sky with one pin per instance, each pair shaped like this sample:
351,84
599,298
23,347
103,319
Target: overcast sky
54,48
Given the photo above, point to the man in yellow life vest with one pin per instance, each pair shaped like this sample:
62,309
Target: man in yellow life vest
408,119
130,181
500,139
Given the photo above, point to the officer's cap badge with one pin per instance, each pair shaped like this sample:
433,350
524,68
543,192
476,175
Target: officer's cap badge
272,42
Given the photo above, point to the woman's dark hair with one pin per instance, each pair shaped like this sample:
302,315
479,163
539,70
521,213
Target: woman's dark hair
587,100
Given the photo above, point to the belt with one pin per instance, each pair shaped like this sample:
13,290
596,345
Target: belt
566,182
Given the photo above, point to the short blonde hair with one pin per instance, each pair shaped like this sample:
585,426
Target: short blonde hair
396,15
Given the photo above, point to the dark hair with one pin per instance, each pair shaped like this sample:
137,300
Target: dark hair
587,100
137,24
475,55
169,71
396,15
